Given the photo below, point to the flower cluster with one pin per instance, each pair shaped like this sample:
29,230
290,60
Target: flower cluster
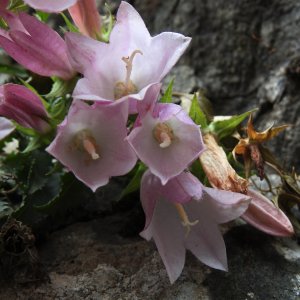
116,119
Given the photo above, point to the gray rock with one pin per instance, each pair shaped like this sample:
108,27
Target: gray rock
240,51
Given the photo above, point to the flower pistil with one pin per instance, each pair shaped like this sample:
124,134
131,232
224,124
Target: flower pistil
84,141
127,87
184,218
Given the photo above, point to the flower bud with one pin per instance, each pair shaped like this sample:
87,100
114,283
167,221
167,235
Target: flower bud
85,15
23,106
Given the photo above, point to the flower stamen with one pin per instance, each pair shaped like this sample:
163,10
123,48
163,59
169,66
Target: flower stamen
163,134
184,218
128,61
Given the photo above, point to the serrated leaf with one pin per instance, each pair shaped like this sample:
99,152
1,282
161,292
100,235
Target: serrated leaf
167,96
134,183
40,166
226,127
196,113
68,192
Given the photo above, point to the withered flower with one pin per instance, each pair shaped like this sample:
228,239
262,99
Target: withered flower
252,150
261,213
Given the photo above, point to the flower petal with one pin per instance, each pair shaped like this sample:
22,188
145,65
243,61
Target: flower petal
168,234
263,215
224,206
205,240
169,162
107,126
50,5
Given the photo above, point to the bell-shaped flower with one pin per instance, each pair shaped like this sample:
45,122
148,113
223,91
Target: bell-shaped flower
184,214
35,46
91,143
50,5
166,139
20,104
126,66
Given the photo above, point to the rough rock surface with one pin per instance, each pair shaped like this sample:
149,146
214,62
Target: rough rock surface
92,260
244,53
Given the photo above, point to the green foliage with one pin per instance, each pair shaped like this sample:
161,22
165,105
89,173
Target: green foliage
107,25
32,185
196,113
71,27
197,170
167,96
67,192
13,71
61,87
42,16
226,127
17,5
135,181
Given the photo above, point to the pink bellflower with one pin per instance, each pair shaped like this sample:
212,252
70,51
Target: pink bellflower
35,46
129,64
20,104
184,214
166,140
50,5
91,143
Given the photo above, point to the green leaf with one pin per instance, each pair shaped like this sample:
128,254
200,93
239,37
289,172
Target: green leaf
134,183
167,96
13,71
61,87
197,114
42,16
197,170
34,143
17,5
107,25
69,24
69,191
227,126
